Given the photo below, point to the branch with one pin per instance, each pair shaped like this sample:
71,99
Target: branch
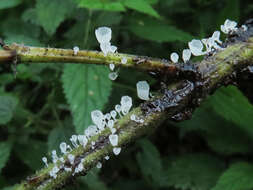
176,102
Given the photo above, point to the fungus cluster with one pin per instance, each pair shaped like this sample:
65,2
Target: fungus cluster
67,160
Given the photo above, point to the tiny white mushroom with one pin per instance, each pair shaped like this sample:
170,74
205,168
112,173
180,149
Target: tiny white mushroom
174,57
107,157
143,90
111,66
97,117
99,165
186,55
113,139
196,47
103,34
124,60
63,148
44,159
113,75
126,104
71,158
116,150
76,50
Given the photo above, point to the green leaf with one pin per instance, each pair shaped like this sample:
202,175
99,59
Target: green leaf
142,6
93,181
238,177
5,150
150,163
100,5
154,30
7,107
86,87
232,105
4,4
25,153
226,112
60,134
194,171
51,13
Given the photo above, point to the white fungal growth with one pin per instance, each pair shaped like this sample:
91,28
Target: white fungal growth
54,171
99,165
124,60
216,37
113,75
76,50
113,130
111,66
244,27
44,159
97,117
229,26
105,48
118,109
107,157
91,131
116,150
143,90
126,104
113,49
113,114
113,139
54,156
196,47
67,169
136,119
63,148
79,168
174,57
110,123
73,140
71,158
82,140
103,34
186,55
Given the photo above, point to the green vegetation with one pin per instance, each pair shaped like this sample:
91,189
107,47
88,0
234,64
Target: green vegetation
48,102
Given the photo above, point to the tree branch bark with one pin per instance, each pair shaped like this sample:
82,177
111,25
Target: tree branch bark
176,102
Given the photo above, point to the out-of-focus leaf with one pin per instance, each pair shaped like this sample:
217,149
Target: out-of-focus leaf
238,176
4,4
50,13
32,153
7,107
150,162
60,134
87,87
194,171
226,112
142,6
100,5
5,150
157,31
93,181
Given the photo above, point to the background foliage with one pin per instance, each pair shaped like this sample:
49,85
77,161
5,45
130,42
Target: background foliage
46,103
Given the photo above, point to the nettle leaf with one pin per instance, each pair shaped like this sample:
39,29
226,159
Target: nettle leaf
154,30
142,6
7,108
5,150
4,4
60,134
226,112
101,5
194,171
150,163
51,13
232,105
86,87
25,151
238,177
93,181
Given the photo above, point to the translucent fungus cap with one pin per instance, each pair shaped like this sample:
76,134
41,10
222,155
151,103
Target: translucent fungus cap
116,150
186,55
113,75
103,34
174,57
196,47
97,117
143,90
105,48
113,140
126,104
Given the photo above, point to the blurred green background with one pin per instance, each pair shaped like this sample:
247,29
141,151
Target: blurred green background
46,103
